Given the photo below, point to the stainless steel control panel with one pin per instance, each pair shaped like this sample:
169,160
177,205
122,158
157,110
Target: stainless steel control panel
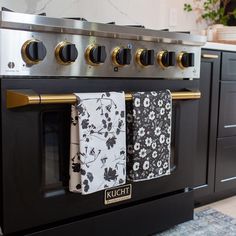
13,62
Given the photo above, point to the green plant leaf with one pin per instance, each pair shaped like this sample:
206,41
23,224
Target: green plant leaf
187,7
212,11
234,13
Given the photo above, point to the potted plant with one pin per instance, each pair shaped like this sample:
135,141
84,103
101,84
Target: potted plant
212,11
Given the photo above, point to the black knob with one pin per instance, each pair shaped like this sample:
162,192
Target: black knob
147,57
168,59
187,59
97,54
68,53
123,56
35,51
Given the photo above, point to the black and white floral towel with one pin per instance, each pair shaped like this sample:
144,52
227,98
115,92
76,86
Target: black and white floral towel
98,142
149,135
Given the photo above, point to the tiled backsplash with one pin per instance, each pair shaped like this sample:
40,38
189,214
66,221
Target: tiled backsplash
154,14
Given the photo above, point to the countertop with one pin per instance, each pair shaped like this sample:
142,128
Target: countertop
220,46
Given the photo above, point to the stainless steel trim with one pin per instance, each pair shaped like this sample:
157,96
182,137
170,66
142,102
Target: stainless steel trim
229,179
55,193
229,126
202,186
12,20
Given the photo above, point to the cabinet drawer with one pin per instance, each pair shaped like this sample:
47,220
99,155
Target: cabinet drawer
228,66
226,164
227,110
142,219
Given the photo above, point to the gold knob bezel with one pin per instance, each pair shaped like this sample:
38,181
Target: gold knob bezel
24,54
179,60
114,54
87,55
138,57
57,52
159,59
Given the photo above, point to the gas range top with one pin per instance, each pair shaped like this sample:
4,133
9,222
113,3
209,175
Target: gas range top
34,45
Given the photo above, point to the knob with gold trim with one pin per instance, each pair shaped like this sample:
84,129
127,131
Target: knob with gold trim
66,52
95,54
166,59
121,56
33,51
185,60
145,57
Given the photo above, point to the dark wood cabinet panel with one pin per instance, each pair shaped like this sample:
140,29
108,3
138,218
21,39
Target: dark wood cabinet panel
228,66
207,122
227,110
215,163
226,164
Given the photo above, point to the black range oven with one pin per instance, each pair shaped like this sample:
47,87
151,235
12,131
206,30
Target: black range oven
37,86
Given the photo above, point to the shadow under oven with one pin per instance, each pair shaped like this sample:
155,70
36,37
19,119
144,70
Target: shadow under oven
35,154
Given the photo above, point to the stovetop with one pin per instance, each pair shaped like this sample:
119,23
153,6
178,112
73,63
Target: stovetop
83,19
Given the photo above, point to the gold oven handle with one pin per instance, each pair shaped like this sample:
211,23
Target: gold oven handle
19,98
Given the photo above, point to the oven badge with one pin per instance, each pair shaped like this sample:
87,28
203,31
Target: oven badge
118,194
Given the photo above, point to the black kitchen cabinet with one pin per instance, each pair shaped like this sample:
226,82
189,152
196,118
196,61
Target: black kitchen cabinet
227,110
228,66
226,164
204,162
215,162
225,175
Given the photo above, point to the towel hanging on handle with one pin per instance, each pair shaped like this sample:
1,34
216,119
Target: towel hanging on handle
149,135
98,142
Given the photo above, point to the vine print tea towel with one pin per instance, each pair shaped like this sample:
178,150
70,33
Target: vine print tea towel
98,142
149,135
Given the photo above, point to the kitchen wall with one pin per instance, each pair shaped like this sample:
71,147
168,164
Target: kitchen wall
156,14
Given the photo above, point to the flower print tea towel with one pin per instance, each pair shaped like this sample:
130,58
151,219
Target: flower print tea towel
98,142
149,135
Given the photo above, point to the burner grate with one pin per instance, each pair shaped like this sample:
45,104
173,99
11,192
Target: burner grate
7,9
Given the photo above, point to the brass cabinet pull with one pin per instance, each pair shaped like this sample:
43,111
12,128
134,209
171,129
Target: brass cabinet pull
19,98
210,56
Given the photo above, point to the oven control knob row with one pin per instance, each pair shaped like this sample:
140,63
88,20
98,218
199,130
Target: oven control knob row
145,57
33,51
121,56
166,59
95,54
66,52
185,60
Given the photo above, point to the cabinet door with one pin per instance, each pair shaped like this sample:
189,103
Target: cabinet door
228,66
226,164
227,111
207,121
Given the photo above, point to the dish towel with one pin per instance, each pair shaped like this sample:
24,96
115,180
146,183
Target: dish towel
149,135
98,142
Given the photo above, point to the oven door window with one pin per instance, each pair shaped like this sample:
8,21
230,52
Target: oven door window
55,151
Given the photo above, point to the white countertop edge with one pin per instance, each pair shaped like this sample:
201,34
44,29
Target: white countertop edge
220,46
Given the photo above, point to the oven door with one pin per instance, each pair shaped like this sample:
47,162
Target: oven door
35,153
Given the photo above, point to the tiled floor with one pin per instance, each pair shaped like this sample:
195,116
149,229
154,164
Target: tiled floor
226,206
